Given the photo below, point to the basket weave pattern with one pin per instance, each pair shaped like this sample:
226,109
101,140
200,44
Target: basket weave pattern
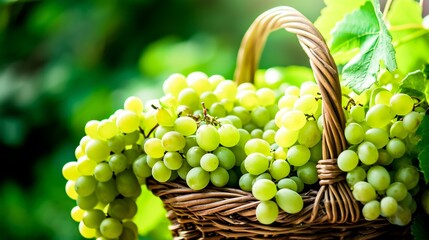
330,211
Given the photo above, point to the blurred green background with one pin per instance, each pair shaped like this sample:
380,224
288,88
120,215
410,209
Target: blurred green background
65,62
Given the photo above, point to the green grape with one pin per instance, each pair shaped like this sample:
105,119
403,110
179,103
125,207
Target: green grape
287,101
280,153
226,157
289,201
87,202
357,113
189,97
209,162
134,104
165,117
193,156
153,148
411,121
118,208
235,121
128,234
267,212
293,120
197,178
191,141
299,183
70,171
309,87
396,148
225,89
298,155
79,152
151,161
308,173
257,133
242,113
173,141
354,133
174,84
127,121
199,82
91,129
229,135
97,150
92,218
107,129
402,216
306,104
279,169
397,130
183,170
103,172
397,190
127,184
185,125
141,167
160,172
264,175
287,183
208,98
106,191
285,137
256,163
383,97
132,137
378,177
401,104
266,96
388,206
248,99
77,213
85,231
85,185
271,125
117,143
260,116
269,136
217,109
161,130
379,137
356,175
408,175
371,210
118,162
378,116
364,192
316,152
309,135
257,146
264,189
347,160
111,227
245,182
384,158
70,190
208,137
173,160
292,90
219,177
367,152
131,225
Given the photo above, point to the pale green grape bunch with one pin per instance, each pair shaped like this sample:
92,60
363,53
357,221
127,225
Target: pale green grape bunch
380,162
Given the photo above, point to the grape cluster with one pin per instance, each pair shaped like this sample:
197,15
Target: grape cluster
380,162
209,131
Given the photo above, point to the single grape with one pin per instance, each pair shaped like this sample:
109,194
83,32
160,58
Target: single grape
401,104
354,133
364,192
289,200
347,160
371,210
208,137
264,189
173,141
256,163
209,162
219,177
287,183
226,157
267,212
111,227
279,169
367,152
228,135
127,184
197,178
161,172
388,206
378,177
298,155
378,116
185,125
308,173
397,190
127,121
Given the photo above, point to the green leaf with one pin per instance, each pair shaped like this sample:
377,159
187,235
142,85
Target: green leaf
364,28
419,227
423,147
334,11
415,84
410,38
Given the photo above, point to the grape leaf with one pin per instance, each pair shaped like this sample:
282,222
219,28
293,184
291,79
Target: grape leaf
364,28
410,38
419,227
423,147
415,84
333,12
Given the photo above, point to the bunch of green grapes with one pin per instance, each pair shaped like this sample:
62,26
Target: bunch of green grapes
381,164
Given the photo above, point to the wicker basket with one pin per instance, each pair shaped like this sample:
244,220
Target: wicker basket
330,211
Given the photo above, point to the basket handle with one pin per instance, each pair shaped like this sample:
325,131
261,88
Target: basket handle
337,197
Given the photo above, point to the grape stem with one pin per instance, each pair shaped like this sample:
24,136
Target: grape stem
150,132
